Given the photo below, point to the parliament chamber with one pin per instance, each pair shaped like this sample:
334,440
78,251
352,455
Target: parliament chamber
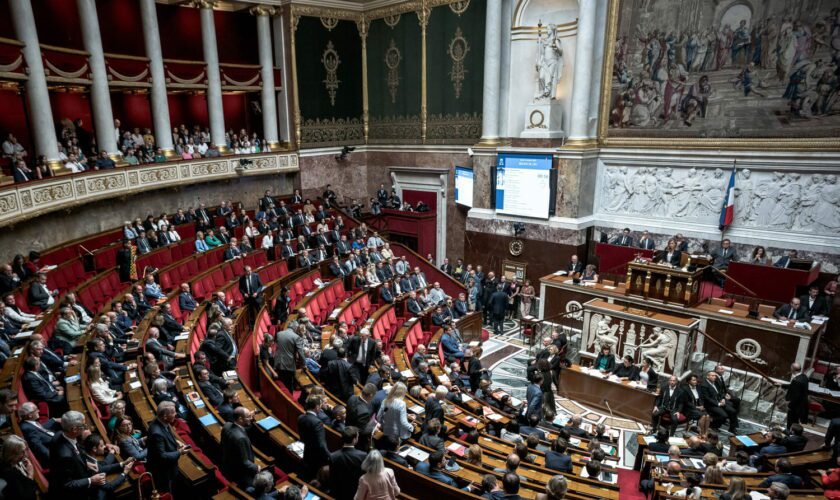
413,249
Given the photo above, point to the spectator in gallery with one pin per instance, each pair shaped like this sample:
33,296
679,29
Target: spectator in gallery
104,162
787,260
759,256
624,239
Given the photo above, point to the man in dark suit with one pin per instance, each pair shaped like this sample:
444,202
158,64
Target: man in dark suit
124,260
717,406
266,201
359,413
362,352
446,266
70,477
186,302
38,436
433,408
724,255
237,454
339,378
497,304
39,389
574,265
814,303
164,448
412,305
557,458
337,269
785,261
232,251
459,307
646,242
211,391
21,172
795,440
311,430
793,311
39,294
624,239
385,293
346,465
723,388
251,288
797,396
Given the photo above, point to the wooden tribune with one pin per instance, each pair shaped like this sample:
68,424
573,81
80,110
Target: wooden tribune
663,282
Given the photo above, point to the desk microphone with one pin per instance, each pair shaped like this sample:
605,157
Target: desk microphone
609,408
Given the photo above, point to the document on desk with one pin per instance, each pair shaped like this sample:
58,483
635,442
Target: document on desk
746,441
208,420
726,311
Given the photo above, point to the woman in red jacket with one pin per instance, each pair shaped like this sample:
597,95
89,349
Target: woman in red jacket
831,482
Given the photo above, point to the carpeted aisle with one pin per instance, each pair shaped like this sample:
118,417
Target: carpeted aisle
628,484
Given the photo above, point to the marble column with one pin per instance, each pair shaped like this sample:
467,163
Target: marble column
269,95
160,102
582,82
214,79
492,71
100,94
281,50
597,68
504,90
40,112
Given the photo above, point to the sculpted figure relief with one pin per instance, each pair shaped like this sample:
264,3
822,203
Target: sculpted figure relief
792,201
549,63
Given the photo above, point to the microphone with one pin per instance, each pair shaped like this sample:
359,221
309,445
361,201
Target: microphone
609,408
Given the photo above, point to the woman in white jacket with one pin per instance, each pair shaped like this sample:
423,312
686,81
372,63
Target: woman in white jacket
99,388
393,417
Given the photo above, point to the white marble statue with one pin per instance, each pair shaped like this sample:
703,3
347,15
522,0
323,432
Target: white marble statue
549,63
605,335
659,348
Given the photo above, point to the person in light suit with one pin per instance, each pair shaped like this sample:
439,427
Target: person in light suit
237,453
289,350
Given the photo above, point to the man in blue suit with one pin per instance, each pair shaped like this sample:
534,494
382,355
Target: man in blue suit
557,458
432,468
164,448
311,430
534,397
185,299
451,349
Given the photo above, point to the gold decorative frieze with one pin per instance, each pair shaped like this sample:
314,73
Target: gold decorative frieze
331,61
392,61
460,6
457,128
458,50
263,10
19,202
329,22
392,21
332,132
395,129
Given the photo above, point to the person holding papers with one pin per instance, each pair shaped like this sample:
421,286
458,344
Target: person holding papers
605,362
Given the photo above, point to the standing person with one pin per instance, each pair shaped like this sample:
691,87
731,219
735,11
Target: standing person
544,368
526,296
474,368
346,465
289,344
534,397
393,415
377,482
311,429
237,454
164,448
797,396
497,305
361,353
17,471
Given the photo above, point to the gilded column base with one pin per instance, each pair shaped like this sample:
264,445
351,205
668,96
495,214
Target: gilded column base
119,159
587,143
224,150
273,146
170,154
6,180
57,167
489,142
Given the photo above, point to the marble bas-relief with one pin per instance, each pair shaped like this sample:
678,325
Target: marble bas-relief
776,200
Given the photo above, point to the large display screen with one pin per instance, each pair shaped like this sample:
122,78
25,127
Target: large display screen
464,186
523,185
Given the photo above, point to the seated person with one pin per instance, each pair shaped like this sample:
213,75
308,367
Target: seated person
741,463
783,475
574,266
573,427
661,444
433,468
692,406
557,458
813,303
626,370
605,362
670,255
131,445
451,348
792,311
786,260
533,427
589,274
624,239
431,436
795,440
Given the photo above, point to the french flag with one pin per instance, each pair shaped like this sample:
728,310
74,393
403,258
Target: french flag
727,213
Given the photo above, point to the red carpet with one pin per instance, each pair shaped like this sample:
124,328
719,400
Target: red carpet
628,485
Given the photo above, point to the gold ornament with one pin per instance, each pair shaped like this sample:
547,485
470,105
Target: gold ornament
392,61
330,60
458,49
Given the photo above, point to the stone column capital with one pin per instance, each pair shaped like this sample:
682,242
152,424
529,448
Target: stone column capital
263,10
204,4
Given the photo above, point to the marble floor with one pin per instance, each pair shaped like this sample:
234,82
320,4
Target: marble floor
507,356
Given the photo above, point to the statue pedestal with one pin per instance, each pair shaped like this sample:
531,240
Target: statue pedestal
543,121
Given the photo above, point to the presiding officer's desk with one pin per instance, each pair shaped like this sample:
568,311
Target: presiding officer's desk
592,388
727,325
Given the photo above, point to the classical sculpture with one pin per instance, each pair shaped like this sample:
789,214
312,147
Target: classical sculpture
605,335
659,347
549,63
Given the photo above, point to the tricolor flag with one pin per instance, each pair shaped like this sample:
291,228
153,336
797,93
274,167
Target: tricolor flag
727,212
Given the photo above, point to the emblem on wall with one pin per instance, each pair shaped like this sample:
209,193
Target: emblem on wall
392,21
749,350
330,60
392,61
458,49
460,7
575,308
516,247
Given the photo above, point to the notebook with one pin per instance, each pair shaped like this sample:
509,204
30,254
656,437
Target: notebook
268,423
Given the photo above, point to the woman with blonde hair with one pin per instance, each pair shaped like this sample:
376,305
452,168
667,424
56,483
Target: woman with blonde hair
713,475
99,388
393,415
737,490
371,276
474,455
378,482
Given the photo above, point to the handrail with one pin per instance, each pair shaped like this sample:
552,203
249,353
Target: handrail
735,355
